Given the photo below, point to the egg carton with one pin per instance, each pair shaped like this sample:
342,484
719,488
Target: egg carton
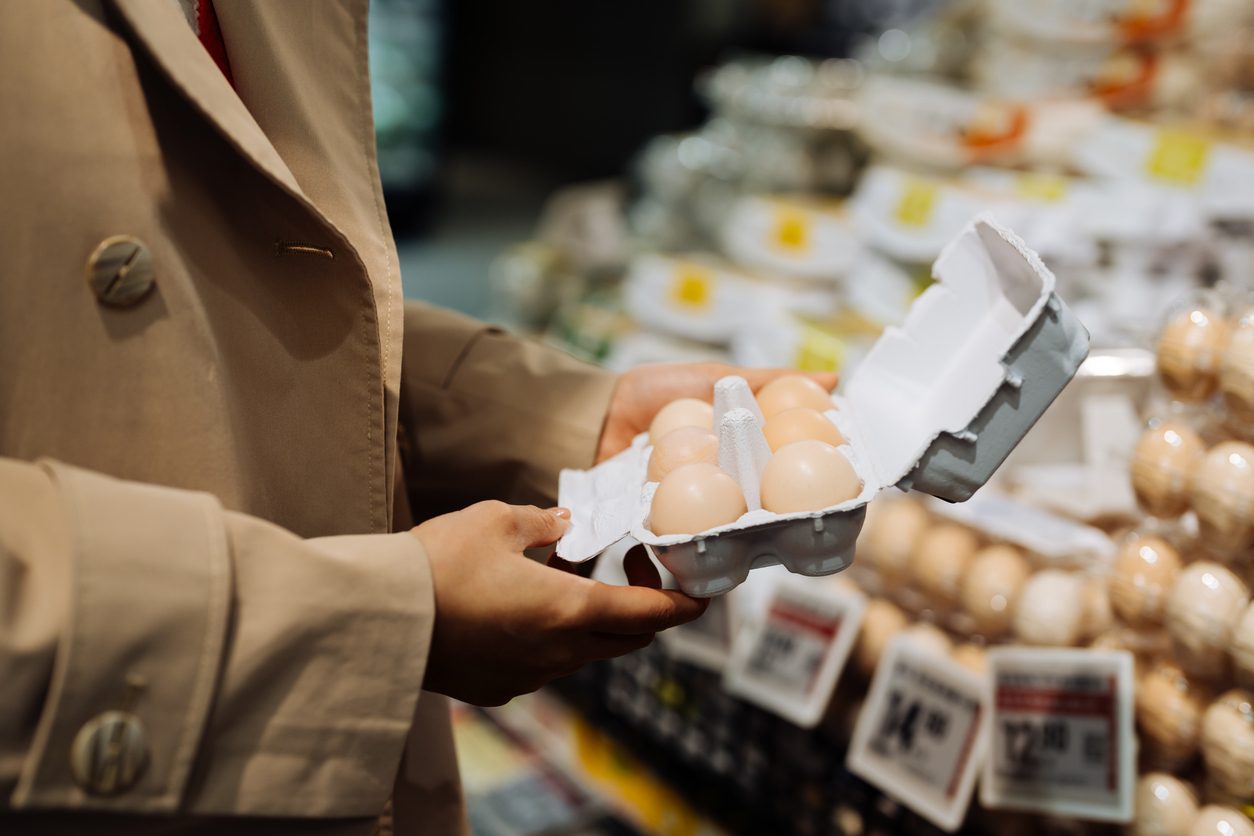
936,406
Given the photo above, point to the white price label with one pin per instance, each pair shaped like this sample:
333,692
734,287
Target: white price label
788,661
920,737
1061,732
706,642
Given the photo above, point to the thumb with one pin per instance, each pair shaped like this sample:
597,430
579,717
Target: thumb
534,526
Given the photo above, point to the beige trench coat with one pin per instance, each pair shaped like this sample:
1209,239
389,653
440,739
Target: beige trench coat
196,490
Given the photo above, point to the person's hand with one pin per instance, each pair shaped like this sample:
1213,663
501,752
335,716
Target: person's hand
505,624
642,391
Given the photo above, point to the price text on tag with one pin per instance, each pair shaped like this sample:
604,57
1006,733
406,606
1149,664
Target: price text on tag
1060,733
789,662
920,737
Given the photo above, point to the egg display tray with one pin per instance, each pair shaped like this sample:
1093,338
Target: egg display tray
936,406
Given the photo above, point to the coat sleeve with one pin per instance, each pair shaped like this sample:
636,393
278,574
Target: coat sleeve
488,415
270,675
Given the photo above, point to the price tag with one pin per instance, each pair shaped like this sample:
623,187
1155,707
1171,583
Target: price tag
788,662
791,230
707,641
1178,158
692,287
917,202
1060,732
921,736
1110,428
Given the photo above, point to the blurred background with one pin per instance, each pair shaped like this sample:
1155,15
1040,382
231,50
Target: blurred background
769,182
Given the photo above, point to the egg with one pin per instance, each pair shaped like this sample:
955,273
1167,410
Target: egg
800,424
790,392
972,657
1243,648
1236,372
1096,614
1169,710
1228,743
882,621
686,445
1145,645
1163,463
808,476
1143,574
1214,820
1223,497
940,560
1202,611
928,638
695,498
685,412
1050,609
893,527
1164,806
991,585
1189,352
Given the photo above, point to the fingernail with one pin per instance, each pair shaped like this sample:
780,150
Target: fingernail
560,513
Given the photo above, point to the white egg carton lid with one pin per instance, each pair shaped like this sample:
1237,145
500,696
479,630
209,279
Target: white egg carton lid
936,405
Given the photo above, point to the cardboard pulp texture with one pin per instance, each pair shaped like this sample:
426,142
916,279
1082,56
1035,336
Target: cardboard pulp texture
936,405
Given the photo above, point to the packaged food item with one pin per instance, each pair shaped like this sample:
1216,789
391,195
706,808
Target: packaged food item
1163,464
1202,612
1223,497
791,236
1096,613
940,561
881,623
961,352
1165,806
1215,820
1189,350
893,526
1236,373
1143,576
1243,649
1050,609
1169,710
991,587
1228,743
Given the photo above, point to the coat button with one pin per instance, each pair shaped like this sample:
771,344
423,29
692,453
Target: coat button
109,753
120,271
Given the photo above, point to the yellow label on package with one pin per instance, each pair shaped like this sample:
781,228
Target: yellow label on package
692,287
791,229
819,351
1178,157
1046,187
918,201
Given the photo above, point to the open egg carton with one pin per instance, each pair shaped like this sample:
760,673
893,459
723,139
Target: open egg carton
936,406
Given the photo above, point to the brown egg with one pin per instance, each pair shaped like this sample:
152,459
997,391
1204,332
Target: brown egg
685,412
1162,468
893,527
1223,497
1228,743
686,445
1096,614
792,391
695,498
1202,611
1215,820
881,622
1050,609
1165,806
1243,648
940,560
929,638
1189,351
1145,570
1236,372
1169,711
808,476
991,585
972,657
800,424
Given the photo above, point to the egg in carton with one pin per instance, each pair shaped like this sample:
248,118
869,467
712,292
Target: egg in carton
936,406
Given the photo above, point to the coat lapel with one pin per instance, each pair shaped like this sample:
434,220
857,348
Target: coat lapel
164,33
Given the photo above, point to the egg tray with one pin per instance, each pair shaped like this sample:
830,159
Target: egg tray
935,406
